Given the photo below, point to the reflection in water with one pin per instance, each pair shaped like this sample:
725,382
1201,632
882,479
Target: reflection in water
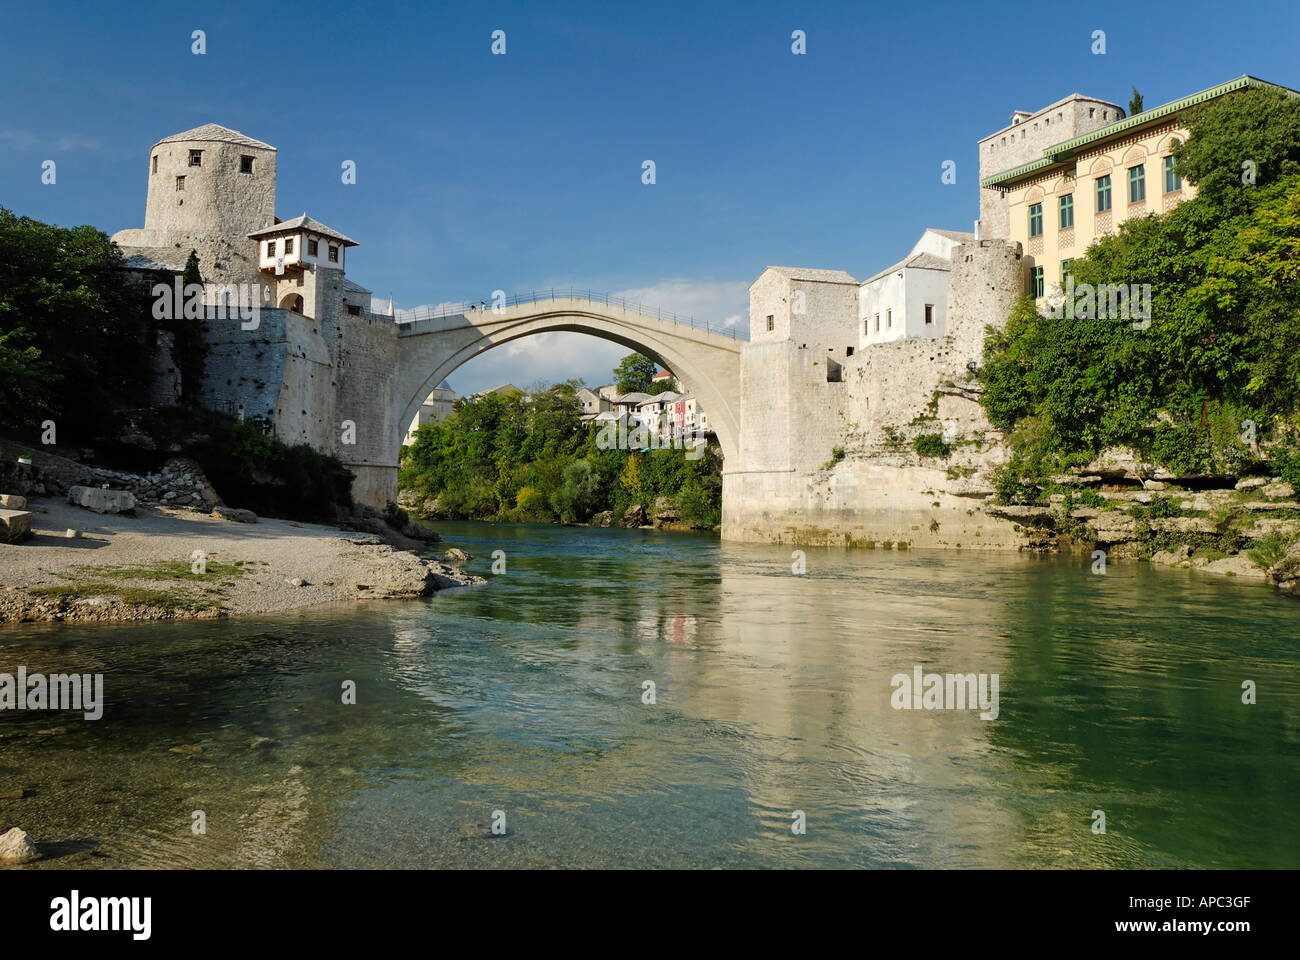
1119,692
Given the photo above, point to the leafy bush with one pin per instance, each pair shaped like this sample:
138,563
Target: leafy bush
247,469
1269,550
931,445
497,454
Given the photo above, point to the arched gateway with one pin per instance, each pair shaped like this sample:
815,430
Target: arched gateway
707,364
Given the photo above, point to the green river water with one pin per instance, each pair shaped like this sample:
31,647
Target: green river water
1119,692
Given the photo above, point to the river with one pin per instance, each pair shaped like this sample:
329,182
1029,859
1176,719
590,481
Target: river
772,694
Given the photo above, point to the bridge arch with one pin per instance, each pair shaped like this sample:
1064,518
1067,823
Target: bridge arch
706,364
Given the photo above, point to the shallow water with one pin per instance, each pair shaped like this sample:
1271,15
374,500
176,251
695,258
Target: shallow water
1120,693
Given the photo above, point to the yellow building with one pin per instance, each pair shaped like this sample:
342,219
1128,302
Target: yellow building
1084,188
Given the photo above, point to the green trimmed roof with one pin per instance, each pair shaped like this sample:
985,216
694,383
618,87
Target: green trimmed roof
1060,153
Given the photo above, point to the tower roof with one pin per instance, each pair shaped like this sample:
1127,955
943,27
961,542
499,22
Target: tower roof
304,222
216,133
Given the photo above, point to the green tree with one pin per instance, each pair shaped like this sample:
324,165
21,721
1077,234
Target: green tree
190,343
1135,103
64,295
635,374
1223,345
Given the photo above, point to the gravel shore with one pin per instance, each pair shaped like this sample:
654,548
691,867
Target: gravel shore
141,567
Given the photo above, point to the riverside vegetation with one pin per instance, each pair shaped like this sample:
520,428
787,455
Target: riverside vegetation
501,456
1205,402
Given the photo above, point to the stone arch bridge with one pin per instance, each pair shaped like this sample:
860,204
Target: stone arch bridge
429,348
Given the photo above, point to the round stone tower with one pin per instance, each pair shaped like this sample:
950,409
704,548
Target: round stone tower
209,188
210,180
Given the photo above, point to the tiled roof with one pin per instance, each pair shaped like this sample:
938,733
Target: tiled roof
1061,152
217,133
920,261
304,222
953,234
824,276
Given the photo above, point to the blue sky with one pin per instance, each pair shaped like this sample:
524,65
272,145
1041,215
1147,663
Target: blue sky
477,172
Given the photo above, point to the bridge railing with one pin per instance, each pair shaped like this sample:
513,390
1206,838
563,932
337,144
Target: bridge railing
469,308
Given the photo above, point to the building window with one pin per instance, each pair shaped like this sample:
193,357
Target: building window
354,310
1137,184
1173,182
180,184
929,314
770,318
311,248
288,246
1036,220
848,351
1091,112
155,163
1065,268
889,319
245,164
1067,211
270,248
866,326
1103,193
877,323
334,254
196,158
1036,282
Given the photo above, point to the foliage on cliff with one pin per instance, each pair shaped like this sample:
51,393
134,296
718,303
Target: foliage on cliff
247,468
1223,344
502,457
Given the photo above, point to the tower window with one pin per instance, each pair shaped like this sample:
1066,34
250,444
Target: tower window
288,246
770,322
877,323
929,314
245,164
334,254
155,164
180,184
889,319
311,248
196,158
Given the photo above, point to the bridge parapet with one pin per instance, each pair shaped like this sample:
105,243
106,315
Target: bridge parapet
468,311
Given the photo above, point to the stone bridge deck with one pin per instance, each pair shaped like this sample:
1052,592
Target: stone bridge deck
706,363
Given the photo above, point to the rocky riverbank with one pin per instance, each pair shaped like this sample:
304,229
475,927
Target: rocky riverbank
161,562
1247,527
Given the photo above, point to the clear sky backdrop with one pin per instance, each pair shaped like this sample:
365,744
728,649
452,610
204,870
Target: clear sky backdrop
477,172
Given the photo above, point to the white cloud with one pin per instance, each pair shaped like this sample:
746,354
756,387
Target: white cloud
722,304
552,357
18,139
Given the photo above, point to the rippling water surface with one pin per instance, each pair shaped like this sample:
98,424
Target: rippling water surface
1120,693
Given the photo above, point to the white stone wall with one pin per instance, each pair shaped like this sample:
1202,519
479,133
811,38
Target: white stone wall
786,488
